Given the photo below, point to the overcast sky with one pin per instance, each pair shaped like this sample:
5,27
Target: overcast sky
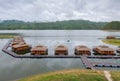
57,10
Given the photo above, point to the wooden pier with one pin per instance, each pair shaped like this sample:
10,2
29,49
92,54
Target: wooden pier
86,62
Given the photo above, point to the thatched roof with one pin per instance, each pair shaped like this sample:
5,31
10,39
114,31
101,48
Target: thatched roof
82,48
104,48
61,48
20,45
39,48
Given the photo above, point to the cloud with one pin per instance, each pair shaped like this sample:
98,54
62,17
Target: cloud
58,10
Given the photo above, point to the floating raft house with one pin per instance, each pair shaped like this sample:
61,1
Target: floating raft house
81,49
39,50
61,50
104,50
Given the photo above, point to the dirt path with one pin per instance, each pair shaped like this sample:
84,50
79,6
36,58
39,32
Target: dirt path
108,75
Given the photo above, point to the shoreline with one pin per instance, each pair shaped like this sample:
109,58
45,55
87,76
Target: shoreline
113,42
58,72
78,74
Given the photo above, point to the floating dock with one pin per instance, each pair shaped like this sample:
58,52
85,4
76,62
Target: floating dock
105,64
10,52
84,58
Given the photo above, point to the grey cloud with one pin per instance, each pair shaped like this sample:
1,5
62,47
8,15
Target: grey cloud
53,10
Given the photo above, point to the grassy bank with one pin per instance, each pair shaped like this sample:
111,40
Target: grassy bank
7,35
69,75
115,75
112,41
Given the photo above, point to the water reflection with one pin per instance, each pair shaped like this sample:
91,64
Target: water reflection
14,68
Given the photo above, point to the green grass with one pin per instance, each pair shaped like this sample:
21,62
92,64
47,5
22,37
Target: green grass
69,75
115,42
6,36
115,75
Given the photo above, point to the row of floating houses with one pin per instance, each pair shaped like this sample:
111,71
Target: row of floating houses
19,46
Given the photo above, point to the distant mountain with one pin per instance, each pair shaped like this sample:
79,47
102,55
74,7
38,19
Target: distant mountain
12,21
115,25
70,24
81,24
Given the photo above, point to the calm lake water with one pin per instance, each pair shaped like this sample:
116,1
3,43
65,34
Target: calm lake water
15,68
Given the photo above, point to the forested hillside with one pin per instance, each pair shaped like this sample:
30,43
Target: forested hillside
71,24
115,25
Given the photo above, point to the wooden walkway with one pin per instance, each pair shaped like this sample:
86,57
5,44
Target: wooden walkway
86,62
